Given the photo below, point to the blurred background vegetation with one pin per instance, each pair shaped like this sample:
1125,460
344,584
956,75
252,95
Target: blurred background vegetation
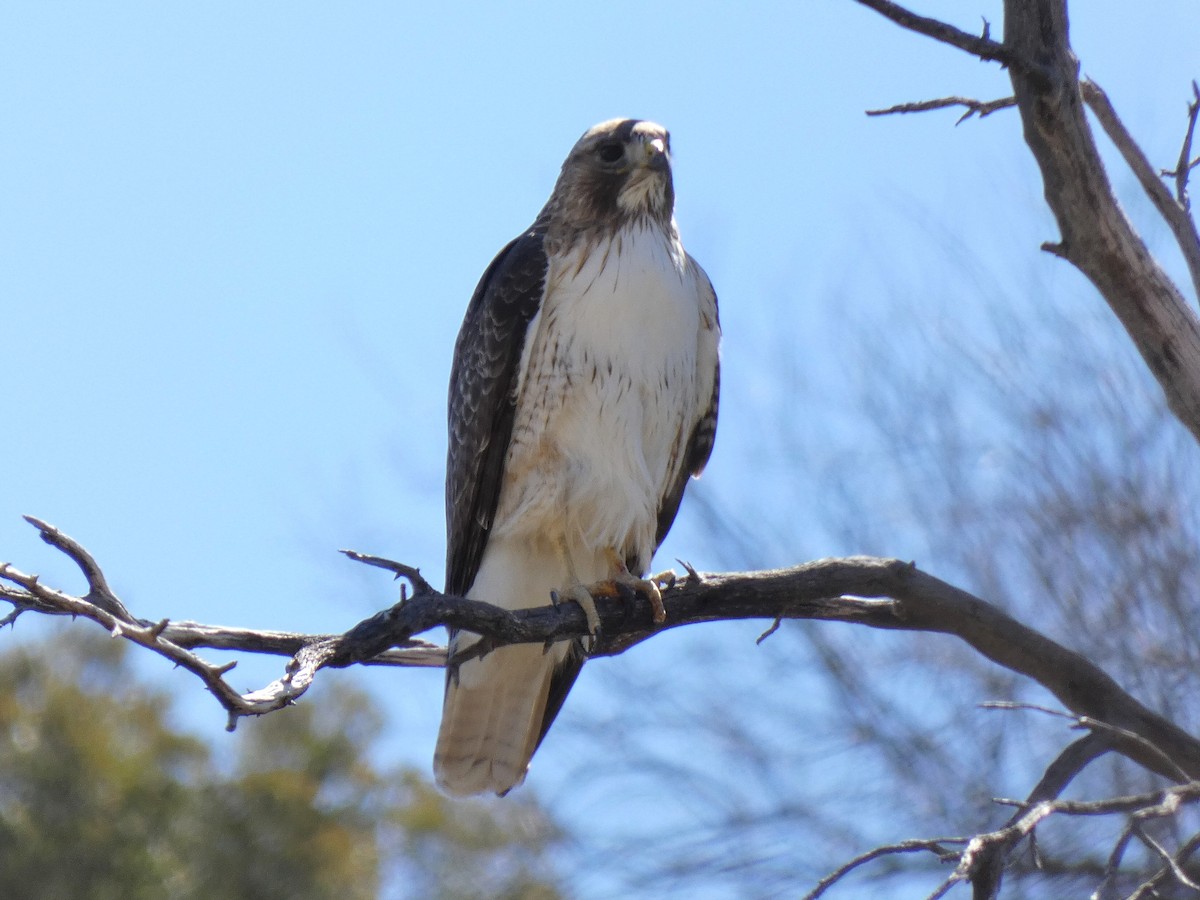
103,796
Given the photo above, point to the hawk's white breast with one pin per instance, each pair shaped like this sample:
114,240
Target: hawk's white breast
608,395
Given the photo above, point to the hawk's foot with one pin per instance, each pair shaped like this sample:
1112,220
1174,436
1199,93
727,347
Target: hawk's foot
665,580
647,587
585,596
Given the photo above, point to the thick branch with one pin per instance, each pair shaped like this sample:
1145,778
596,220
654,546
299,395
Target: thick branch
1097,238
194,636
880,593
922,602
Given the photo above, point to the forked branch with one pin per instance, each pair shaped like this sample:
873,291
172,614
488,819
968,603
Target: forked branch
176,640
981,859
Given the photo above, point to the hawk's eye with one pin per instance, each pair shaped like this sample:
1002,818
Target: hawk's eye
610,151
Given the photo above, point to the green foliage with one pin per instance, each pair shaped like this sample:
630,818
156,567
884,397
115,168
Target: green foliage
100,797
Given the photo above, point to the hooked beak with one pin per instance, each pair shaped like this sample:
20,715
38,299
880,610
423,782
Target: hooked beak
656,157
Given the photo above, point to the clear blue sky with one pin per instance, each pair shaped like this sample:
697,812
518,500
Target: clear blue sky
236,241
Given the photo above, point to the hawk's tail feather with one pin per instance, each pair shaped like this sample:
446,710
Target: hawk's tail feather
495,717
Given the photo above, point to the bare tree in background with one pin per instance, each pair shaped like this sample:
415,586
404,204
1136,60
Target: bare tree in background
1046,474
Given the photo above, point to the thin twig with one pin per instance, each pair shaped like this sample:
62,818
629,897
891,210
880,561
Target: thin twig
1152,804
930,845
1161,852
980,108
1149,888
413,574
1183,168
1095,725
770,631
1113,867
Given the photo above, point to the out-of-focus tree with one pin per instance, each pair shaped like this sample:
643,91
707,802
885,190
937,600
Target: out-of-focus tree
102,797
472,849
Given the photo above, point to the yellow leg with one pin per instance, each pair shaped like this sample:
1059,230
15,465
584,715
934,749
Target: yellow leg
577,591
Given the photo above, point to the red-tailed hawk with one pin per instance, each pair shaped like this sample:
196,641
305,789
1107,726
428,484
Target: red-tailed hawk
583,396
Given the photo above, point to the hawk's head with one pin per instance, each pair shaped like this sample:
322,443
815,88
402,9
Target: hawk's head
618,172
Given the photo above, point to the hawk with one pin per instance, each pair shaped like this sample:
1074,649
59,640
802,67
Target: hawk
583,396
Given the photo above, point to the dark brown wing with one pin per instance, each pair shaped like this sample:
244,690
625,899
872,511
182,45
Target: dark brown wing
483,399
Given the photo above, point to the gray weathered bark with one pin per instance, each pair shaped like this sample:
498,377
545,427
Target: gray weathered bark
1097,238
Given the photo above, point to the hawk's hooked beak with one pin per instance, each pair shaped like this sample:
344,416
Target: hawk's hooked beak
655,154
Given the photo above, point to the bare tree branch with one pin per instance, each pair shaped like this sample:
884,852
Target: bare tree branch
1173,209
194,635
1163,876
977,864
1097,238
980,108
989,862
101,605
981,862
1108,884
1183,168
880,593
99,593
983,46
1095,725
935,846
1161,852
